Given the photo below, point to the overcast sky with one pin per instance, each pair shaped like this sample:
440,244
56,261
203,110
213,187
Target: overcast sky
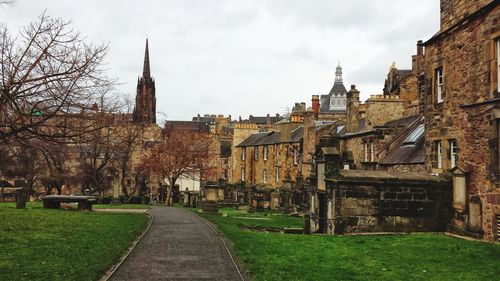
244,57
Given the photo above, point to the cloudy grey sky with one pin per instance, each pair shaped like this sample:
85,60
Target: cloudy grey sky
244,57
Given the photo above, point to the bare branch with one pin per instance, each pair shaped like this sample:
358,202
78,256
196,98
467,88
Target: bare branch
49,78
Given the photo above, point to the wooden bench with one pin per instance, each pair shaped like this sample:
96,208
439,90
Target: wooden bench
54,201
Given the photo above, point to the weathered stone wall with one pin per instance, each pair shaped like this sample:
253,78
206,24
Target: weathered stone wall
393,208
452,11
405,168
381,109
355,146
408,89
467,57
241,132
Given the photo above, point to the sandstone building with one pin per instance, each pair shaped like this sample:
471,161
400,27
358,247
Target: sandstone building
460,83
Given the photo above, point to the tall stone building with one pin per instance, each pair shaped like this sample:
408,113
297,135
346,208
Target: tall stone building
145,100
462,111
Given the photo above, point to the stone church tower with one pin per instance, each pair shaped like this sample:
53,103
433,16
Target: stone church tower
145,100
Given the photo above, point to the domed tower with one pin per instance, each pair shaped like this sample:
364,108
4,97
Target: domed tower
335,101
145,100
338,92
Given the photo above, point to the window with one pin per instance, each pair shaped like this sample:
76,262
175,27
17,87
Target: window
256,153
372,150
264,176
295,156
453,153
243,154
366,152
439,77
242,174
412,138
439,160
369,150
264,151
277,173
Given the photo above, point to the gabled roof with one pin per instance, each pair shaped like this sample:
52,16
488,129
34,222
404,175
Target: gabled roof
297,134
202,127
273,137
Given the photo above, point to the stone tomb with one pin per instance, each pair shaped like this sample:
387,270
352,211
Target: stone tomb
377,201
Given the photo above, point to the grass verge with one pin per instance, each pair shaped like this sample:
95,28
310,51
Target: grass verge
42,244
277,256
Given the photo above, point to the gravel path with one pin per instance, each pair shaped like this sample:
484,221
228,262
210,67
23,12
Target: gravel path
178,246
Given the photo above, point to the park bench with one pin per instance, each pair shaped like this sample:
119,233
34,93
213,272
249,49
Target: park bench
54,201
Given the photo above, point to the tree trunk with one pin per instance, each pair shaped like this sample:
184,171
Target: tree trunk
170,188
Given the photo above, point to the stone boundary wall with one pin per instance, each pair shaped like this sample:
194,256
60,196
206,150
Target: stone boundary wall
385,208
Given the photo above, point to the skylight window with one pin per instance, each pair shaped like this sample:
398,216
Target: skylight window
415,135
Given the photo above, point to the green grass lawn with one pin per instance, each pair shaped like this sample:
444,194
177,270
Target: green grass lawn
42,244
277,256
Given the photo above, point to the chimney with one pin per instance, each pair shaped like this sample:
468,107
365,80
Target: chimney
315,103
420,48
352,124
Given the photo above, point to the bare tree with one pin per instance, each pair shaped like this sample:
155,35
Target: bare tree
24,162
56,158
48,74
180,152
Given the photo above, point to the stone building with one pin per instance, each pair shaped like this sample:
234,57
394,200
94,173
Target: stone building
460,86
268,161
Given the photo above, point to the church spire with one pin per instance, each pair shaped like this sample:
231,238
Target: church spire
145,99
146,71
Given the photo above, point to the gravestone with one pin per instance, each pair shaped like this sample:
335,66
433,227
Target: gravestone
21,198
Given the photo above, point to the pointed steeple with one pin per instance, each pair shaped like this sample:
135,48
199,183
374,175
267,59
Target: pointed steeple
145,99
146,71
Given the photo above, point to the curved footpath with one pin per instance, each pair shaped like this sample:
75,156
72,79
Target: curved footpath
178,246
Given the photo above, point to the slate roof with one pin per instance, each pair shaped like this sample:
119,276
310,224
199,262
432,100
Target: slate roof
402,122
403,73
207,119
273,137
261,120
297,134
407,153
338,89
202,127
